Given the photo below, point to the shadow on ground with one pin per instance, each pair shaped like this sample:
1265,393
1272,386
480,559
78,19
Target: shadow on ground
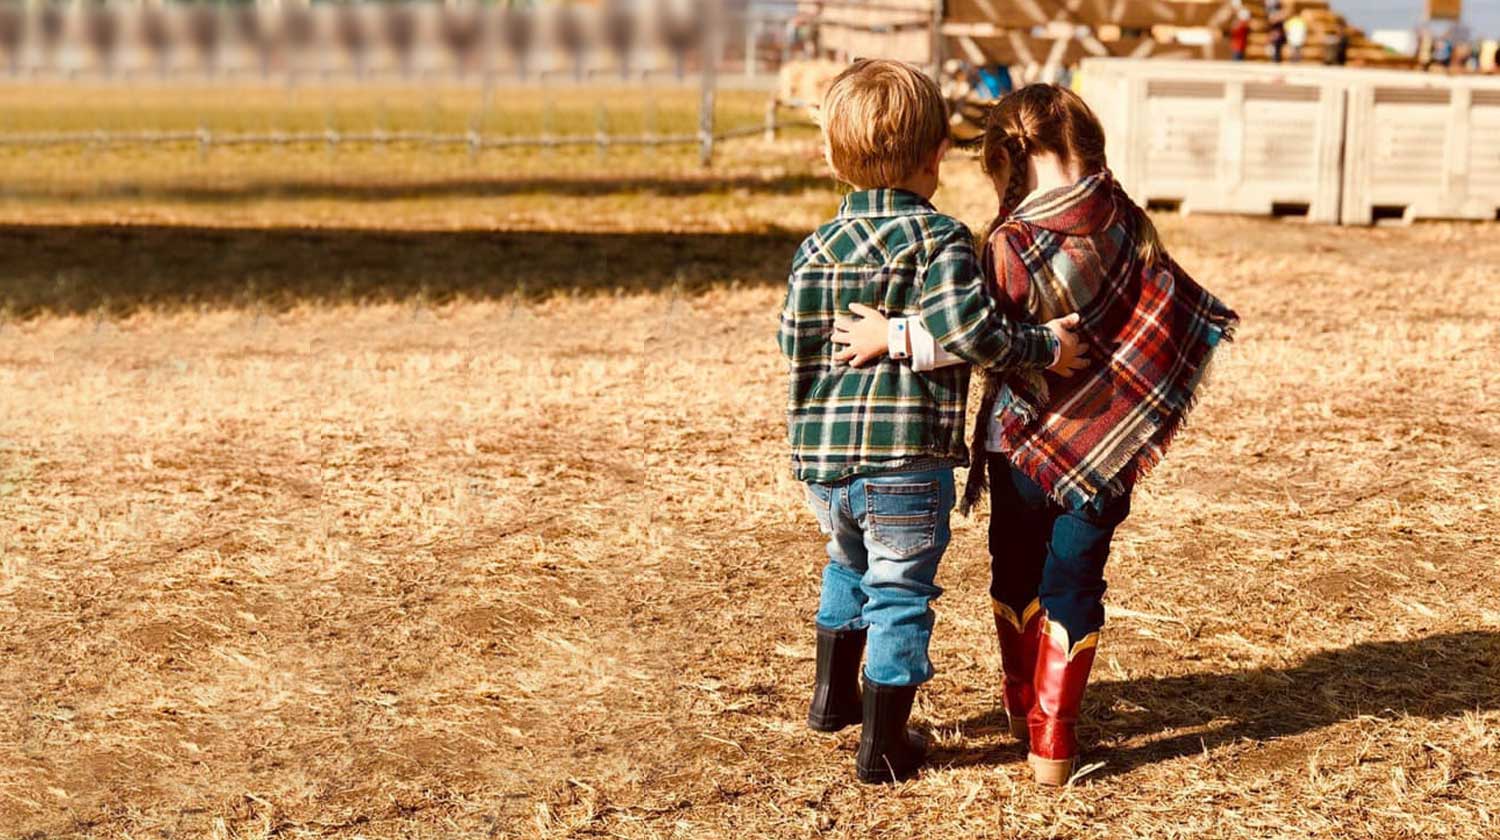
66,269
440,188
1436,677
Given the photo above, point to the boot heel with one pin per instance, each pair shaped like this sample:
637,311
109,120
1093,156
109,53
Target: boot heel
1049,771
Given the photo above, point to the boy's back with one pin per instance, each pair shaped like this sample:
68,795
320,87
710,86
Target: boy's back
880,251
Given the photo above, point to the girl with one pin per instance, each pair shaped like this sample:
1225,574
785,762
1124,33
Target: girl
1061,455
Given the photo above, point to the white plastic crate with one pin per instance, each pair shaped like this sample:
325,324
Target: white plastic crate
1349,144
1423,148
1221,138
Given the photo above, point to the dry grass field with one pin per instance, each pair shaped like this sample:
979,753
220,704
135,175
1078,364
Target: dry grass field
455,505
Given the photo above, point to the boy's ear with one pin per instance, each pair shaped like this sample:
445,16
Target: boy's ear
937,157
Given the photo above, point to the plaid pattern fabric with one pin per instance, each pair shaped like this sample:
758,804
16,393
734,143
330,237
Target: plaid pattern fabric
890,250
1075,249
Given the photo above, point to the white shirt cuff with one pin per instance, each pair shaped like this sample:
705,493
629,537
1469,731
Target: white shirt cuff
896,338
926,353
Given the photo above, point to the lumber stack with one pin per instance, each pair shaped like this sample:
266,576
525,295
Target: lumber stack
1323,24
1059,33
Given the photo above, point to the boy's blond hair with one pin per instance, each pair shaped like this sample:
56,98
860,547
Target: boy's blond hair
883,121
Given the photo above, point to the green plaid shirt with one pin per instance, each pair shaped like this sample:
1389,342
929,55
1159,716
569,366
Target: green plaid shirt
890,250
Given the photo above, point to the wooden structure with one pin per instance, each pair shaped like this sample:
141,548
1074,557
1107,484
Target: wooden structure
1059,33
1043,36
1336,144
899,29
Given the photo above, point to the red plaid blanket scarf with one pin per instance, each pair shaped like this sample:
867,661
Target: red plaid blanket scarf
1075,249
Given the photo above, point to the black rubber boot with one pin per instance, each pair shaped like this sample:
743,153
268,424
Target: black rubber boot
888,751
835,700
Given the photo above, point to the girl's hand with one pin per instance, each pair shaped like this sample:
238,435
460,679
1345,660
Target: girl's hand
866,337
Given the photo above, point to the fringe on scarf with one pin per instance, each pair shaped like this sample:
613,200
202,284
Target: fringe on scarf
1144,461
1133,464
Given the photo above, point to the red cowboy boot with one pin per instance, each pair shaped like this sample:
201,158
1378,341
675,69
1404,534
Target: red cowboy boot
1018,646
1062,673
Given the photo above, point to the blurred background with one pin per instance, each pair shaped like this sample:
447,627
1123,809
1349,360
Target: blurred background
394,440
258,115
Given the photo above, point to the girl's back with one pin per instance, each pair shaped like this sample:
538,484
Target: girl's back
1086,247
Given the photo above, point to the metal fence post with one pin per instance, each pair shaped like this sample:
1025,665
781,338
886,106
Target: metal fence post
706,107
752,39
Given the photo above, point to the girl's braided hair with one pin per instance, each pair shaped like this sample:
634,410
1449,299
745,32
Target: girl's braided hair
1033,120
1043,118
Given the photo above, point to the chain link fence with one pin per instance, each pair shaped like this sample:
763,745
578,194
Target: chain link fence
616,45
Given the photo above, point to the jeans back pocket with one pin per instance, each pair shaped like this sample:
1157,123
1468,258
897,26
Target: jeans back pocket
902,518
819,498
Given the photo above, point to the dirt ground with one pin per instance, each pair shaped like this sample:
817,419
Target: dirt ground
305,550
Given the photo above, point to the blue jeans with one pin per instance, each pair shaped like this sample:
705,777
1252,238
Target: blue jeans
886,534
1040,549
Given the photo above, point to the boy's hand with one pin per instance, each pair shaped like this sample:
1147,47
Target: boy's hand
866,337
1073,351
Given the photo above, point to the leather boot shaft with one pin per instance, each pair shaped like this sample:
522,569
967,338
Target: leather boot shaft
1019,638
836,700
888,750
1062,674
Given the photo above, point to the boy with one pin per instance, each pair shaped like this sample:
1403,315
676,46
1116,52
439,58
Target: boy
877,445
